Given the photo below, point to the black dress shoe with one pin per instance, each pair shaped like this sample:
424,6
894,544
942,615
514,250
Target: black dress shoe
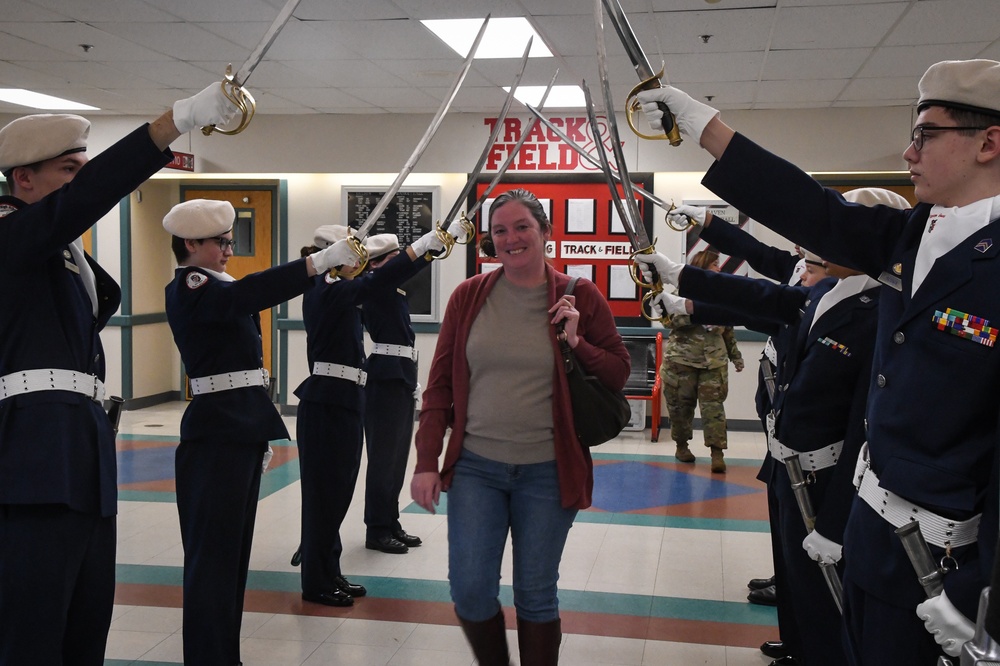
785,661
406,539
774,649
297,557
765,597
386,544
331,598
760,583
347,587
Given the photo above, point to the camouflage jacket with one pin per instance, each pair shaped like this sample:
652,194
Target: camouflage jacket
700,346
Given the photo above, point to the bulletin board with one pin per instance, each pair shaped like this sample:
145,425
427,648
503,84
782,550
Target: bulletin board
722,212
412,212
588,238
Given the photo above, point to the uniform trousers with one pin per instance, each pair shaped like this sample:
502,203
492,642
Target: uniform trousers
218,483
57,585
788,632
389,407
330,440
817,621
684,387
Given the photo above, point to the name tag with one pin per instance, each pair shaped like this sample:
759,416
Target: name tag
71,266
890,280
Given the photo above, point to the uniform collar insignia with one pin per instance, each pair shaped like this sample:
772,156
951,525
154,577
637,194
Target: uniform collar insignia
67,255
984,245
897,269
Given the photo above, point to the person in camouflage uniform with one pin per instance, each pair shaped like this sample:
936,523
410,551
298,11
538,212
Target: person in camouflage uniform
695,370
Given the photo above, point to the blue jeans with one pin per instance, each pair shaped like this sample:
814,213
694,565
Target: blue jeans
488,499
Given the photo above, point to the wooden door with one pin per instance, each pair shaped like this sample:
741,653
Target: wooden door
253,234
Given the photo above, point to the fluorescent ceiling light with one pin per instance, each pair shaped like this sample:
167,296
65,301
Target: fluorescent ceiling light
504,38
560,97
35,100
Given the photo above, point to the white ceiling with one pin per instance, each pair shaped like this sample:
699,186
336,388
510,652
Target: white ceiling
374,56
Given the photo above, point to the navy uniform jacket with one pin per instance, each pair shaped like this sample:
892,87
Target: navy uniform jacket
332,316
824,376
933,402
57,447
386,316
216,326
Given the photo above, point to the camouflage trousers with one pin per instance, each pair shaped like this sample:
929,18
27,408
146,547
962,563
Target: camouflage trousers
683,388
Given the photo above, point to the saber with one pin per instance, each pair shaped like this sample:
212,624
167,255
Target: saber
432,129
511,155
647,79
656,286
232,84
470,231
794,469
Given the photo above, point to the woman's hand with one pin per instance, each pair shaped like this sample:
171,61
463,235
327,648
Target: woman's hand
425,489
565,311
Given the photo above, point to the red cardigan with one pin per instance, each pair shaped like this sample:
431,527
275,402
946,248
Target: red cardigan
446,399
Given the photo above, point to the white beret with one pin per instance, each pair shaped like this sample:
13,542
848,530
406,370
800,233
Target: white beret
381,244
969,85
811,257
874,196
41,136
329,234
200,218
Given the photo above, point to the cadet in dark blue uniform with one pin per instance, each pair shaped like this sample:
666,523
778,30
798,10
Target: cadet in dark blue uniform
389,402
329,421
933,405
226,428
786,268
58,492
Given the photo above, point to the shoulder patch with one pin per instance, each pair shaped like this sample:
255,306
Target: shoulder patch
6,209
194,280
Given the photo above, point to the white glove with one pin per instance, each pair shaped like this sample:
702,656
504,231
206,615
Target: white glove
209,107
669,270
680,214
339,254
951,629
821,549
429,242
457,230
672,304
267,459
691,115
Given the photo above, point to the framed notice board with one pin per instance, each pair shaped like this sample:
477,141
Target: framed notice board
588,239
412,212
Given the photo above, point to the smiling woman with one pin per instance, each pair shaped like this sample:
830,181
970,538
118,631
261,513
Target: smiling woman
525,476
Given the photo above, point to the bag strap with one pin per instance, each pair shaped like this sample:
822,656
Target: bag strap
569,361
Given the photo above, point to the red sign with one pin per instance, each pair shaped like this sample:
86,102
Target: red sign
182,162
543,150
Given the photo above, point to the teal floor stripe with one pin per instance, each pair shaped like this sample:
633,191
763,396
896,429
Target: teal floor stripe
407,589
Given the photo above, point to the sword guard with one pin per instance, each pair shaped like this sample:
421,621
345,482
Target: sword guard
243,101
656,285
446,238
633,106
646,307
360,250
469,228
676,226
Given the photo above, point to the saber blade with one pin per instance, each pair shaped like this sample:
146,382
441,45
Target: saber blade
250,64
424,140
460,200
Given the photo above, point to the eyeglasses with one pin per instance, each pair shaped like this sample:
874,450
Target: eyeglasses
224,243
917,136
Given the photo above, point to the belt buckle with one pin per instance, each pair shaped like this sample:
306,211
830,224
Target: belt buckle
93,395
265,377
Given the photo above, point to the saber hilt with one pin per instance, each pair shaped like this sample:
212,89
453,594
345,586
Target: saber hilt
982,650
669,121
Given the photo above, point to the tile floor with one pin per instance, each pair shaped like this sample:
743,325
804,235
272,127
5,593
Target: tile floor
654,574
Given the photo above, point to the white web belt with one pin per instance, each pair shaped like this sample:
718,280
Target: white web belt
938,530
228,381
386,349
811,461
51,379
356,375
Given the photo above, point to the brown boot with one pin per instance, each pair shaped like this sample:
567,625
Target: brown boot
683,453
488,640
538,642
718,464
